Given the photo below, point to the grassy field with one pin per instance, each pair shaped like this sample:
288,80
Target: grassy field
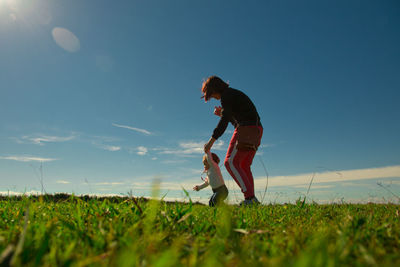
72,231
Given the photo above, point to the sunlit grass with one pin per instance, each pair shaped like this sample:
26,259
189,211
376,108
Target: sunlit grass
124,232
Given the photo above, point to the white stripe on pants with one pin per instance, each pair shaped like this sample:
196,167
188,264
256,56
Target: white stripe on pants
235,171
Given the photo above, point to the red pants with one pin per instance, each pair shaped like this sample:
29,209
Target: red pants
238,162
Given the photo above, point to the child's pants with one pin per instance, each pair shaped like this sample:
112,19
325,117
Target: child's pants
238,162
220,194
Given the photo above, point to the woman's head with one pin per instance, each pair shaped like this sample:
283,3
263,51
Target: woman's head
213,86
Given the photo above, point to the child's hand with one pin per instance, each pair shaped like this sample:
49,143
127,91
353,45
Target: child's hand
218,111
196,188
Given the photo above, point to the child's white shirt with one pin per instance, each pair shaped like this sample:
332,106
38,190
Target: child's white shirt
214,176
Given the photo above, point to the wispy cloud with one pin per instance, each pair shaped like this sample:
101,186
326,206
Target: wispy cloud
42,139
99,142
192,147
104,139
107,147
142,150
172,161
189,148
331,176
62,182
110,183
27,158
191,171
133,129
314,186
112,148
141,185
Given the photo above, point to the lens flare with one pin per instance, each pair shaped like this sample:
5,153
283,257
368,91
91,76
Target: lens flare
66,39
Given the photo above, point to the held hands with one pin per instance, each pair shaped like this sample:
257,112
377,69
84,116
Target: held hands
218,111
209,144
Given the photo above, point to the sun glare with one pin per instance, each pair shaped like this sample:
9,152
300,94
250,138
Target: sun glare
12,4
30,13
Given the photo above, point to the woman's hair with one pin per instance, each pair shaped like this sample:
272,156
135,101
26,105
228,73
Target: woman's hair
213,84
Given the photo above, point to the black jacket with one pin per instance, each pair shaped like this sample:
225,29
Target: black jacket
238,109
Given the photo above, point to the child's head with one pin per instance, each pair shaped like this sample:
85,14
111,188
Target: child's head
214,158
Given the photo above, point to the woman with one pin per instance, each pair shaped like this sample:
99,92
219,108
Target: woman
238,109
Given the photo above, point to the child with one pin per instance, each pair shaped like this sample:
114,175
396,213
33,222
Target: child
214,178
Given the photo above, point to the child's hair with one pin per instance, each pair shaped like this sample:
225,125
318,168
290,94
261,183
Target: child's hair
214,158
204,159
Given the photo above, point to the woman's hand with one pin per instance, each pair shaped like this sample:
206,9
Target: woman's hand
209,144
196,188
218,111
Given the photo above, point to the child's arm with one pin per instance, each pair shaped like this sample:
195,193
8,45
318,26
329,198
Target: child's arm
203,185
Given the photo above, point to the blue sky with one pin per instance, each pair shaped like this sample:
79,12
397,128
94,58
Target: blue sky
106,96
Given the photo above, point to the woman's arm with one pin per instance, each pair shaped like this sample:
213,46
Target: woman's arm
225,112
209,144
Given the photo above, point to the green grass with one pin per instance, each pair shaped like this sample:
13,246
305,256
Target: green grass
122,232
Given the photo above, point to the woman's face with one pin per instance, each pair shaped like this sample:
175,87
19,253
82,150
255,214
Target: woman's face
216,96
